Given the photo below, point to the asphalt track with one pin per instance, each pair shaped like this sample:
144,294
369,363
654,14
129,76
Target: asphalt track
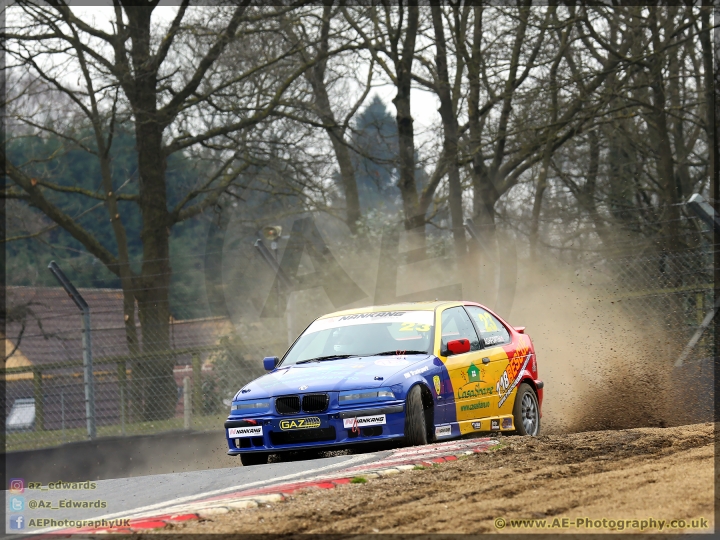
126,496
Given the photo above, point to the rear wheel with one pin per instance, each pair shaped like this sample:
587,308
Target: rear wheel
257,458
526,411
415,427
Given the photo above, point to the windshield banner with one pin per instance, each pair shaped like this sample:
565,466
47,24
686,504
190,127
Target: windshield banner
352,319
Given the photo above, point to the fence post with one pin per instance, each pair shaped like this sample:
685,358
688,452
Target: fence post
62,413
196,383
187,403
38,394
88,374
122,384
87,346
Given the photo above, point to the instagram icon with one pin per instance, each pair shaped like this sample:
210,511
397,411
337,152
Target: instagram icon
17,485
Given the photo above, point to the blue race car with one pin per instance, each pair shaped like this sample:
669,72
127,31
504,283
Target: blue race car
414,372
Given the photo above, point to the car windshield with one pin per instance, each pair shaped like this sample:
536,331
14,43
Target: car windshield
364,334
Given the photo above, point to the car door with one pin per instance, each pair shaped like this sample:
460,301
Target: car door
497,351
472,390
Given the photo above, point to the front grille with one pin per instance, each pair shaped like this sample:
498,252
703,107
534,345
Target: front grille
287,405
302,436
315,403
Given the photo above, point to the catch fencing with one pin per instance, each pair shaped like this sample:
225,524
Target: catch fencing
134,394
669,294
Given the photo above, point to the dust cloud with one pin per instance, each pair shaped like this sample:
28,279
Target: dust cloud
602,368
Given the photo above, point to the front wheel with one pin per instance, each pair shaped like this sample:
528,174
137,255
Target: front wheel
415,429
257,458
526,411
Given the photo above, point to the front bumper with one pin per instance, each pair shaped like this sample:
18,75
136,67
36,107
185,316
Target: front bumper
333,428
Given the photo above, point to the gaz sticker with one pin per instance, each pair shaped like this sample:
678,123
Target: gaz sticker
301,423
239,432
377,420
442,431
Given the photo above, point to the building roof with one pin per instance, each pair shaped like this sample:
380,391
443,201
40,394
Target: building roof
53,326
16,359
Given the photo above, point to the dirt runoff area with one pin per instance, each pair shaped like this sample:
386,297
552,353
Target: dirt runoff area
636,480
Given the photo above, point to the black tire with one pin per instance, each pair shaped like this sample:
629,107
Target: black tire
257,458
415,427
526,412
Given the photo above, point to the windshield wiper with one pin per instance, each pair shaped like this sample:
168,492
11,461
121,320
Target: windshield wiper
398,353
329,357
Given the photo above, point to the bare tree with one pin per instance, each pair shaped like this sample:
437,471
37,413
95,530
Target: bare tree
322,108
390,34
173,85
649,151
451,129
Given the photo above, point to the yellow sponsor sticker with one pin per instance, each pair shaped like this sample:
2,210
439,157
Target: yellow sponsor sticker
436,381
300,423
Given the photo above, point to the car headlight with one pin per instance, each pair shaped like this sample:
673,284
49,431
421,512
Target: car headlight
251,407
364,396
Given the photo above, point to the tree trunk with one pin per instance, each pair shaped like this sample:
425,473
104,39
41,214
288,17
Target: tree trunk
157,383
477,166
485,179
124,270
414,219
316,77
537,203
548,151
712,83
586,193
451,136
342,154
661,141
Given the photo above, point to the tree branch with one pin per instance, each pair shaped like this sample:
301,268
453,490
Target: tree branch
168,112
36,198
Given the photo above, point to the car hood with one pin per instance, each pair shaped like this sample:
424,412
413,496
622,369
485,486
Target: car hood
330,375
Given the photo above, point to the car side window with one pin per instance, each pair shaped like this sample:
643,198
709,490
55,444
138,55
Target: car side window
491,330
457,325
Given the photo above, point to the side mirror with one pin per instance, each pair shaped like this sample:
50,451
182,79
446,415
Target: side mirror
270,362
458,346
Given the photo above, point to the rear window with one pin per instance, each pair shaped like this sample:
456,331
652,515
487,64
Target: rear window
492,331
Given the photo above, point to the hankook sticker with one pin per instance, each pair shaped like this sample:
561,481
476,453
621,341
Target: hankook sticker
377,420
250,431
378,317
